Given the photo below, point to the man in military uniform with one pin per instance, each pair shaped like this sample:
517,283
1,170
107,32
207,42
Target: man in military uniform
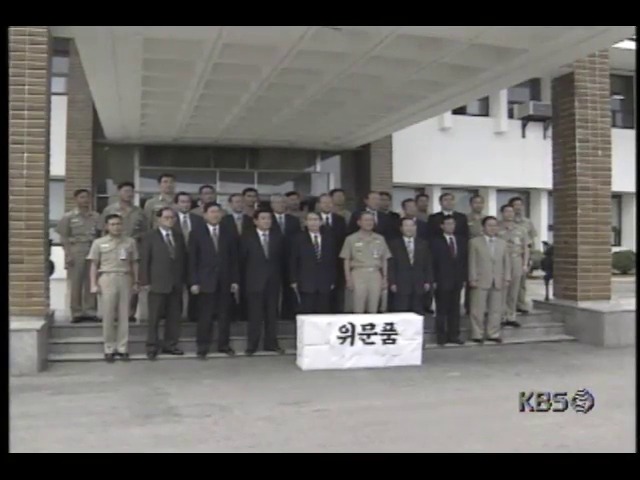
518,207
78,228
134,225
474,219
114,275
517,240
167,183
339,201
294,205
250,199
366,254
207,195
422,203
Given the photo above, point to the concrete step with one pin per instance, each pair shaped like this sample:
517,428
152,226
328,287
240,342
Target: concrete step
99,357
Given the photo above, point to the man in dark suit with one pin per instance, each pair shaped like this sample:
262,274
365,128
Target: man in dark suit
312,266
186,222
288,226
213,274
337,226
382,224
410,271
450,266
261,257
163,269
385,207
410,210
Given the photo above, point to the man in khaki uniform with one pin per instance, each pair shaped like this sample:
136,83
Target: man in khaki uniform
293,206
339,201
114,275
518,206
77,229
517,240
134,224
167,183
250,198
207,195
489,276
365,254
474,219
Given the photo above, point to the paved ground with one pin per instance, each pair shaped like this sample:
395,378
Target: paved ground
460,400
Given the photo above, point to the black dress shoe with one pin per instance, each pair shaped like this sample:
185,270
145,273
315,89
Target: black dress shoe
523,312
109,357
228,351
249,353
479,341
152,356
456,341
77,319
494,340
278,350
202,355
132,319
123,356
510,323
172,351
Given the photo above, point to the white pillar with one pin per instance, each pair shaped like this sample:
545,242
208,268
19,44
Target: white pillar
490,201
628,226
539,214
499,106
434,195
445,121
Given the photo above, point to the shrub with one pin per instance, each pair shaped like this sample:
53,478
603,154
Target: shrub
624,261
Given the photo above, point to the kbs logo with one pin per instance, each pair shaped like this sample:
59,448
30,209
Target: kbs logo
582,401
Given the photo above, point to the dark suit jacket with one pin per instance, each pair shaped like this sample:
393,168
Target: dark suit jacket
434,229
448,272
313,275
157,269
210,268
384,227
410,278
291,225
338,229
247,224
394,220
258,271
197,222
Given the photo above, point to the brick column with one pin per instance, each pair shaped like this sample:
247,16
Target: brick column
29,106
582,181
381,164
79,156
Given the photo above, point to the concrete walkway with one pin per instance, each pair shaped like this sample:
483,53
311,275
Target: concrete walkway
460,400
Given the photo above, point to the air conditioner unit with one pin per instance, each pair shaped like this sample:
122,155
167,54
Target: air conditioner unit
533,111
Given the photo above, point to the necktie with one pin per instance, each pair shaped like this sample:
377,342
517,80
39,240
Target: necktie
327,220
281,222
239,223
265,245
316,246
410,250
214,236
185,226
452,247
170,244
491,247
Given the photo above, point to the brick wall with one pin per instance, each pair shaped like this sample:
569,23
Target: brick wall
79,155
29,107
582,181
381,166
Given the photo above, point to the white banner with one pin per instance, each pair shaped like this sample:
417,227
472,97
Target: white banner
327,342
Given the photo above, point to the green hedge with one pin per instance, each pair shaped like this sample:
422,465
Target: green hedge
624,261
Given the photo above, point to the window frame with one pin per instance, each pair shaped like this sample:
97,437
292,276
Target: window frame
616,231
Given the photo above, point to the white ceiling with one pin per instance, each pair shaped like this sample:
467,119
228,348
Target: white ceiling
307,86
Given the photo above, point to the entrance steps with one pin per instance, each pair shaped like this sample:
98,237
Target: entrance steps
83,342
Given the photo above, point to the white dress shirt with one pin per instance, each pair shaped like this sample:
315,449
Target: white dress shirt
312,235
326,219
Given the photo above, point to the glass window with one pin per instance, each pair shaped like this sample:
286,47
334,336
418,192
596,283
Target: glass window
61,46
234,182
58,85
113,164
186,180
282,159
60,65
183,157
478,108
56,207
505,195
270,183
463,197
622,101
616,220
550,218
230,158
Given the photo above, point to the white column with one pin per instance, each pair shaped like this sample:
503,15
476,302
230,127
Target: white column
539,214
499,106
490,201
445,121
434,195
628,226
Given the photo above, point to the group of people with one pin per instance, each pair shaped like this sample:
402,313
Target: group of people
262,263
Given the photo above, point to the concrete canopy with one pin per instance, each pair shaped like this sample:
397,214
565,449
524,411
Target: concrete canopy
330,87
